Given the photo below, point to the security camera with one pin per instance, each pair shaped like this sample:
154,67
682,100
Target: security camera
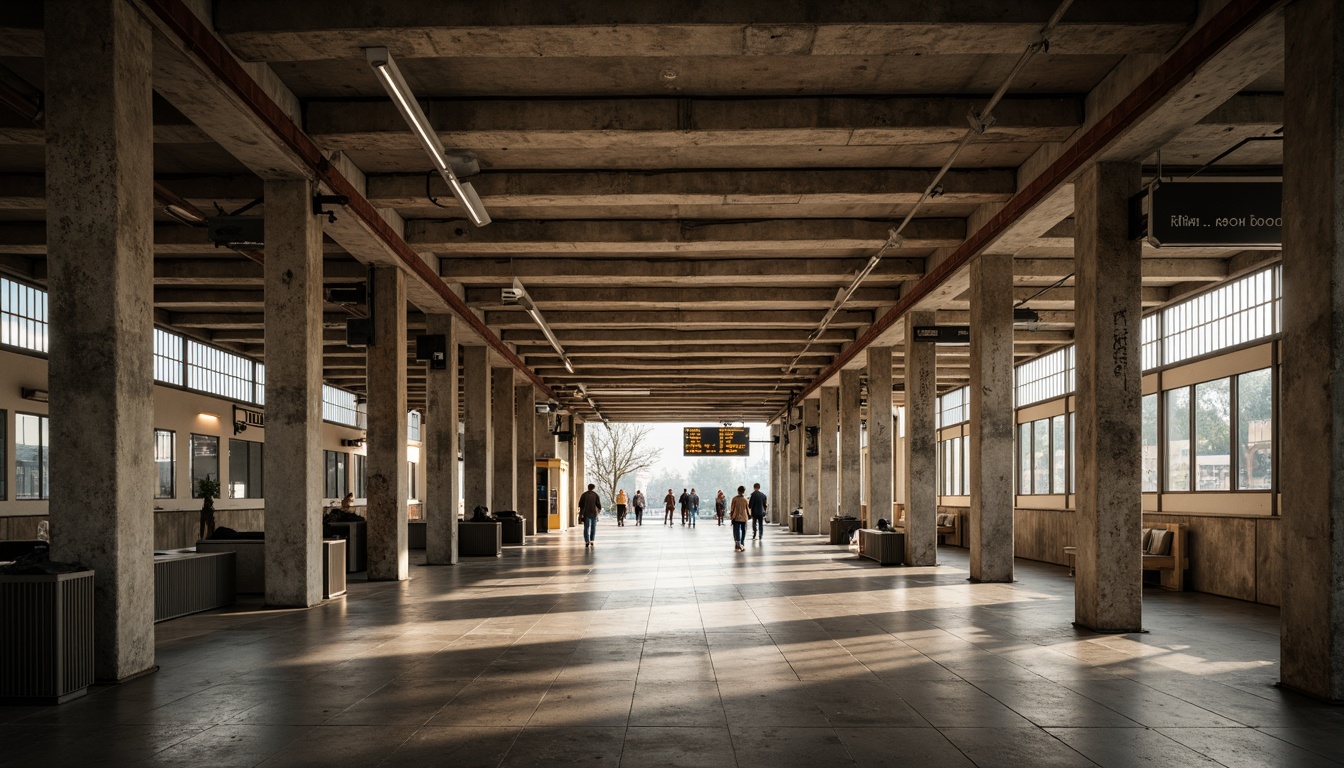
541,407
512,295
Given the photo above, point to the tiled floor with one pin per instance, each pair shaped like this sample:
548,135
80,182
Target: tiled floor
664,647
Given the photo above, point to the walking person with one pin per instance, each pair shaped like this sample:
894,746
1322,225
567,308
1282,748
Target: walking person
621,503
739,517
685,501
639,507
590,506
669,504
695,507
720,506
758,503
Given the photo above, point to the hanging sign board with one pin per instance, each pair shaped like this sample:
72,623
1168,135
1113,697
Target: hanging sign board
716,441
943,334
1217,214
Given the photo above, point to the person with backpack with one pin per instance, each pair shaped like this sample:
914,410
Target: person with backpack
720,506
758,503
685,501
739,516
639,507
695,507
590,506
669,504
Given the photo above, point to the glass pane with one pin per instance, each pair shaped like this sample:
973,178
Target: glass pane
966,466
1213,435
1149,433
27,456
1255,430
1040,453
1073,457
204,461
238,468
1024,459
1178,439
165,456
1059,460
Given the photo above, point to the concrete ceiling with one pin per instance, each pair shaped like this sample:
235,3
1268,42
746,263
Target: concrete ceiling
681,189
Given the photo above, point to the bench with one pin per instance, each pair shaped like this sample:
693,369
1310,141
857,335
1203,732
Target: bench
947,525
1164,550
886,547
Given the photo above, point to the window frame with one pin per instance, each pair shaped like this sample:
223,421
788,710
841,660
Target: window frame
43,456
172,463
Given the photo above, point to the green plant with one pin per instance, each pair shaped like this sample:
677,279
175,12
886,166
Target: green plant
208,488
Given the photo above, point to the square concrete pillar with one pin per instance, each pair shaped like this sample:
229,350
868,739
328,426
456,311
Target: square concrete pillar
1311,467
797,461
776,467
525,461
477,445
100,255
779,501
829,490
1108,585
851,456
387,476
293,456
992,418
442,446
921,445
505,441
543,440
578,480
880,437
812,466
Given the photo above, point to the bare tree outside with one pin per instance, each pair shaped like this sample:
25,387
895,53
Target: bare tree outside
615,454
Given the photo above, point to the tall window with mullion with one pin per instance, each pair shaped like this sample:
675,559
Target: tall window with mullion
31,474
336,483
165,463
1043,457
23,316
245,473
360,475
1220,434
204,461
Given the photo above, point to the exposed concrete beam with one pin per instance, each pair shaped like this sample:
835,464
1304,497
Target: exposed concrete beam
221,320
711,271
678,351
1153,268
240,271
664,336
633,298
681,319
661,365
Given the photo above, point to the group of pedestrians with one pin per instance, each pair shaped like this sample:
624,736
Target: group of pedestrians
740,510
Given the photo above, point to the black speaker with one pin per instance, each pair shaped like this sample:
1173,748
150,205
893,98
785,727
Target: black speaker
358,332
434,348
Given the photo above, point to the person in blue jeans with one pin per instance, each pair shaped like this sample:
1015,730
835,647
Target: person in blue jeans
738,513
590,506
757,504
695,507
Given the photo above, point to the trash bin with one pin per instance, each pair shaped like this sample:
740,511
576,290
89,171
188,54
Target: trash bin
796,521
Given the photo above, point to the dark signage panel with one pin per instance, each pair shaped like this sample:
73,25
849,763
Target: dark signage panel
943,334
1234,214
716,441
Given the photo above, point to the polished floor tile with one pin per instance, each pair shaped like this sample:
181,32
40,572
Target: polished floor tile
663,647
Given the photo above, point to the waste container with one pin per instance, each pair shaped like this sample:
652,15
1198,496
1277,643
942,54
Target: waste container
796,521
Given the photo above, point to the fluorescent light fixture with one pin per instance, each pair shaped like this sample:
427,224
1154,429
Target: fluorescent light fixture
517,295
204,415
630,392
395,85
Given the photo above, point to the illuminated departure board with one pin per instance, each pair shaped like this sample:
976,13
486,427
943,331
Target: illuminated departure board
716,441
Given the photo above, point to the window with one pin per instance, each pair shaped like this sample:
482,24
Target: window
360,474
413,426
1149,447
167,357
410,471
217,372
1213,435
1235,313
1040,456
1255,430
336,476
23,316
31,478
1178,439
1150,345
1044,456
1059,460
954,475
245,475
341,407
1024,459
259,386
1045,378
204,461
954,408
1073,452
165,463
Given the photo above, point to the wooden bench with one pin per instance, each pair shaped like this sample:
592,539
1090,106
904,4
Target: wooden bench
886,547
1171,566
947,525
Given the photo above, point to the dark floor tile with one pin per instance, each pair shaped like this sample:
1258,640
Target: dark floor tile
575,745
1117,747
1015,747
885,747
665,747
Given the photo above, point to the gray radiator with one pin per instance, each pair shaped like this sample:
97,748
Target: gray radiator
46,637
189,582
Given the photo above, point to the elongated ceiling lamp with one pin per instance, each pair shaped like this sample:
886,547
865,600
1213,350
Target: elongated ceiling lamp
518,295
396,87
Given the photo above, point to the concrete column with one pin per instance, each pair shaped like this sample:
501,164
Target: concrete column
991,411
779,501
1108,586
829,490
797,462
851,458
442,445
880,436
387,476
293,456
477,457
525,462
776,465
1311,469
505,439
544,443
579,481
812,467
100,275
921,446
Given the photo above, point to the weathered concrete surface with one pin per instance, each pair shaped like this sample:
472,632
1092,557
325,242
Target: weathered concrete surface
812,466
881,435
578,480
1312,465
776,467
1108,587
851,457
99,225
477,441
921,446
991,412
387,479
525,462
797,460
293,456
504,441
543,441
829,491
442,445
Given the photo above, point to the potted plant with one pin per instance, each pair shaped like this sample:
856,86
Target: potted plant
208,489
